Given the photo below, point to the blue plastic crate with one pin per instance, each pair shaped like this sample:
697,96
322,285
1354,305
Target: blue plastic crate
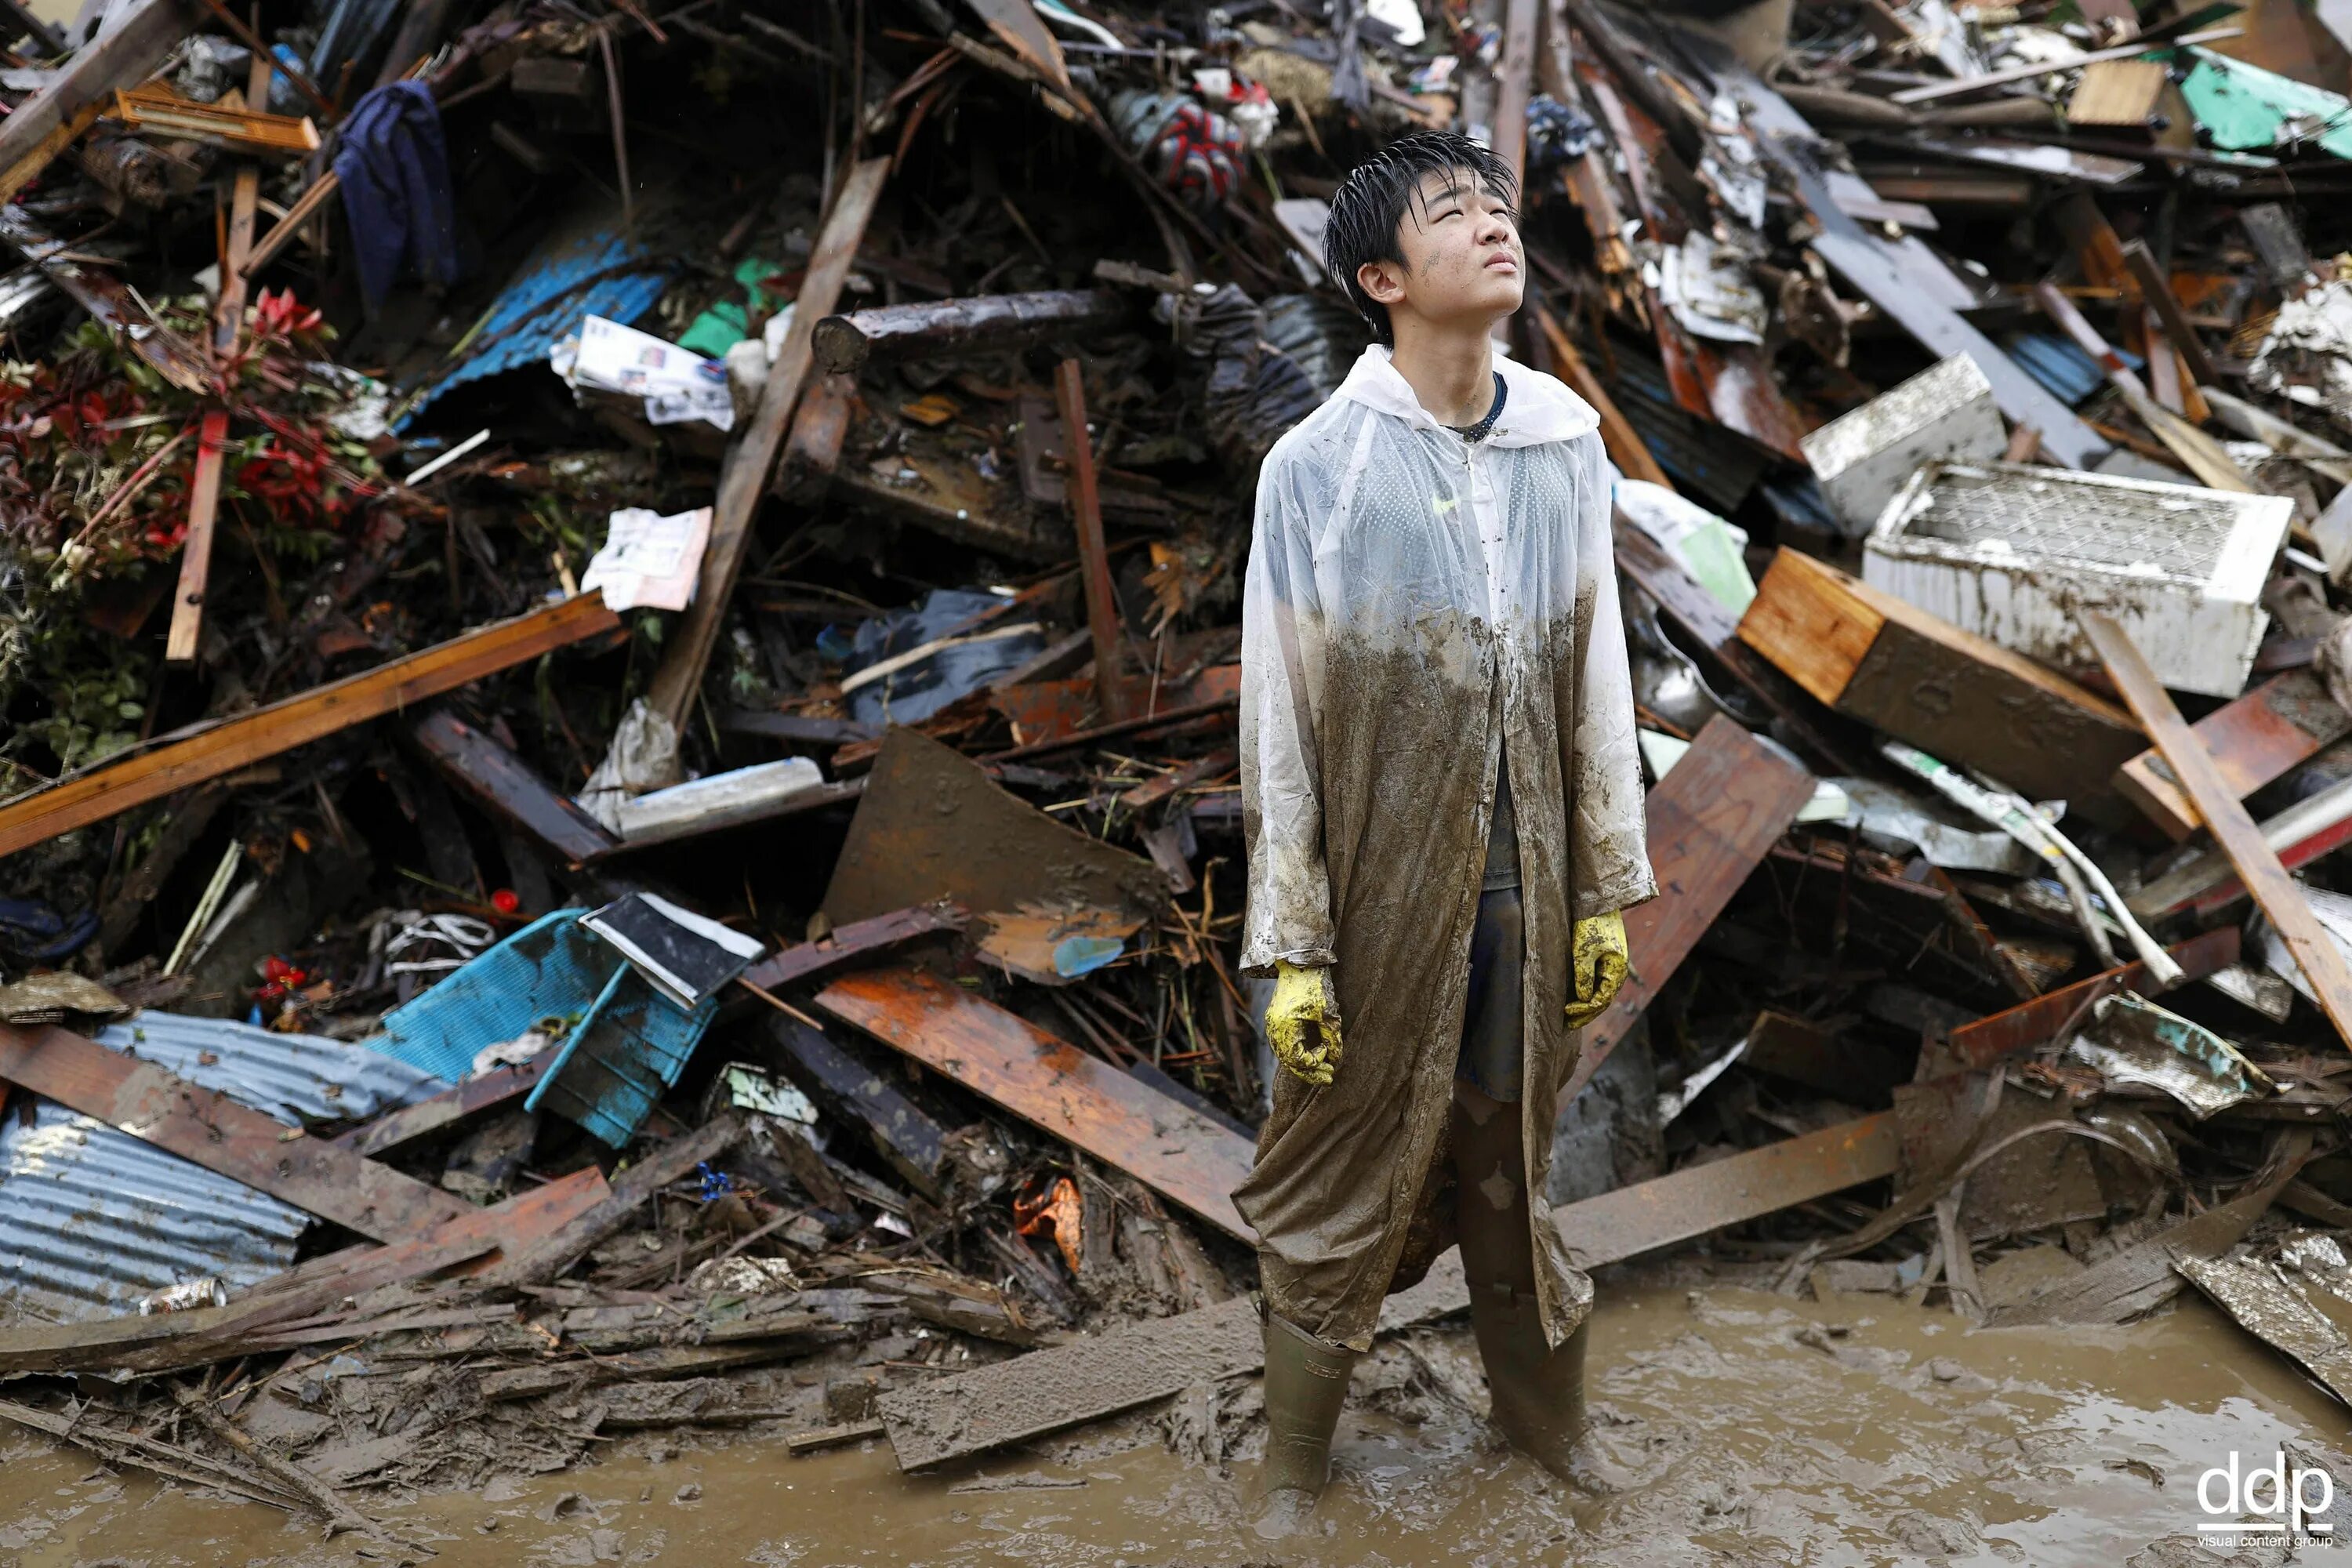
629,1045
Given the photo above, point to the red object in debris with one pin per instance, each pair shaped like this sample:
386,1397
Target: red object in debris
506,901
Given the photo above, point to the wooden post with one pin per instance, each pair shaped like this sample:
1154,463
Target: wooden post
2258,866
1518,67
228,315
744,478
197,549
1086,517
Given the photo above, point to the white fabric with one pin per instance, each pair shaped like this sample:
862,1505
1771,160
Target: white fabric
1380,531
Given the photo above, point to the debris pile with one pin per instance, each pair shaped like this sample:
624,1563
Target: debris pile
619,663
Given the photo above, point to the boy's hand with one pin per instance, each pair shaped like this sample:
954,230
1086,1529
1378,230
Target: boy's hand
1302,1023
1597,966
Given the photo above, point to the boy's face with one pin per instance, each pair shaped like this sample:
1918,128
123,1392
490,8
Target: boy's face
1462,260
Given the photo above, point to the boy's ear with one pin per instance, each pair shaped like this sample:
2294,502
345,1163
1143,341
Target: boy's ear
1383,281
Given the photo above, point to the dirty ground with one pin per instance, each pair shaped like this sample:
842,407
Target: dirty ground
1737,1425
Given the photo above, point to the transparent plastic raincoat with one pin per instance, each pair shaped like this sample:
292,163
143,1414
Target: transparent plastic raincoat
1417,610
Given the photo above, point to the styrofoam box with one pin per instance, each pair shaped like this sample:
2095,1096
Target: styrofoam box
2014,552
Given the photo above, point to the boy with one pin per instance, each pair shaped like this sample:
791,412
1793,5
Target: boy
1444,809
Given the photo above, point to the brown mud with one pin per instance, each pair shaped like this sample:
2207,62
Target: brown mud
1737,1426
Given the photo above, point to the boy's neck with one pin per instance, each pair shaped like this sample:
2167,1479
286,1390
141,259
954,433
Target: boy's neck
1451,372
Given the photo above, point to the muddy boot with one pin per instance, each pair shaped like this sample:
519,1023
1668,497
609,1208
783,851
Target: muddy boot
1538,1391
1306,1383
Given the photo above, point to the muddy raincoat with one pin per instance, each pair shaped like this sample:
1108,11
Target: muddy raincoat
1415,602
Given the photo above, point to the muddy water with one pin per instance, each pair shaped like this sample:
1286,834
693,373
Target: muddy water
1738,1427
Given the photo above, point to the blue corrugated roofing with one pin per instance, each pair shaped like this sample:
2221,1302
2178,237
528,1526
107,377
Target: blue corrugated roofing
293,1077
92,1219
2059,364
600,272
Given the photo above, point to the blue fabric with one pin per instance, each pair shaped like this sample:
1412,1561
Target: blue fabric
394,171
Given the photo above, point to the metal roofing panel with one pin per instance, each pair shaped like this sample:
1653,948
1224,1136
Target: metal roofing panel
92,1219
292,1078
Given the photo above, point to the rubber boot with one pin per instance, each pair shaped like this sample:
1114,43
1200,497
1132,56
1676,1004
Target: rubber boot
1306,1384
1538,1390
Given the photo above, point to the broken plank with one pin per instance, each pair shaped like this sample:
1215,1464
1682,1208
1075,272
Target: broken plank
505,786
1094,558
1956,695
2258,866
812,446
538,1261
233,743
2301,834
743,479
264,250
140,42
985,323
109,301
971,1412
473,1098
1625,447
2254,739
209,1128
1051,1084
1822,1059
854,942
1709,821
197,547
2156,289
847,1091
1989,1039
2196,451
168,1342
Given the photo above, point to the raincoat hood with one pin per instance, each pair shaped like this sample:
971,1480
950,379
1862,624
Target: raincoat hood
1539,408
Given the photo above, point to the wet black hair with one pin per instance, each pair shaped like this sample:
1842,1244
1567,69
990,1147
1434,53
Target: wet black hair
1369,210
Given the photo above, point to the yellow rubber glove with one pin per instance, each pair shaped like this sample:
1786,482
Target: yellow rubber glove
1302,1023
1596,967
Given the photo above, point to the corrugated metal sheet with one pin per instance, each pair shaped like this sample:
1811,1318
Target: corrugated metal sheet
2061,367
600,272
92,1219
293,1077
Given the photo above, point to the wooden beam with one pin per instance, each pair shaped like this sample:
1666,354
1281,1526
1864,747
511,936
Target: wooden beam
27,169
197,547
2254,739
2276,891
124,58
981,323
1515,72
209,1128
1626,448
971,1412
1709,821
245,198
1990,1038
233,743
2157,290
267,247
475,1097
539,1260
1094,558
1002,1057
744,478
504,785
1897,668
853,943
